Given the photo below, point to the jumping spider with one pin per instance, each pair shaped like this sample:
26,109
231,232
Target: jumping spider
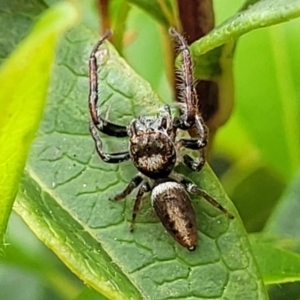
153,150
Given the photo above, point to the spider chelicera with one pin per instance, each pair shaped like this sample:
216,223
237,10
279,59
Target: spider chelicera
155,151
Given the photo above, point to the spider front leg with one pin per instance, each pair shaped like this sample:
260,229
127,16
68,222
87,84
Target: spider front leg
101,124
185,85
113,158
194,190
189,116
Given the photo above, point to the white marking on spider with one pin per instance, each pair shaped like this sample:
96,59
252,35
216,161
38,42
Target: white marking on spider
164,187
152,162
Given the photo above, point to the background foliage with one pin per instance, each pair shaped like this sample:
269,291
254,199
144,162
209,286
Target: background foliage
255,156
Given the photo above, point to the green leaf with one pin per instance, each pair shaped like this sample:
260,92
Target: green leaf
27,259
154,9
276,265
284,224
284,221
24,14
24,78
284,291
212,56
90,294
65,190
254,207
267,88
261,14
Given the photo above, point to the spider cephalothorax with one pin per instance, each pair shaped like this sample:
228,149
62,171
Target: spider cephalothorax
152,148
151,144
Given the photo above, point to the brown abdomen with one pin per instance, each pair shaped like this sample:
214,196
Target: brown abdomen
175,211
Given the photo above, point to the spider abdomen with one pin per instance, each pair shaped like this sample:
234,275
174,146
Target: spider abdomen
175,211
153,154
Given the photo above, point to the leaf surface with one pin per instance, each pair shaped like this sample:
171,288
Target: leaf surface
277,265
24,78
284,221
65,190
284,225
